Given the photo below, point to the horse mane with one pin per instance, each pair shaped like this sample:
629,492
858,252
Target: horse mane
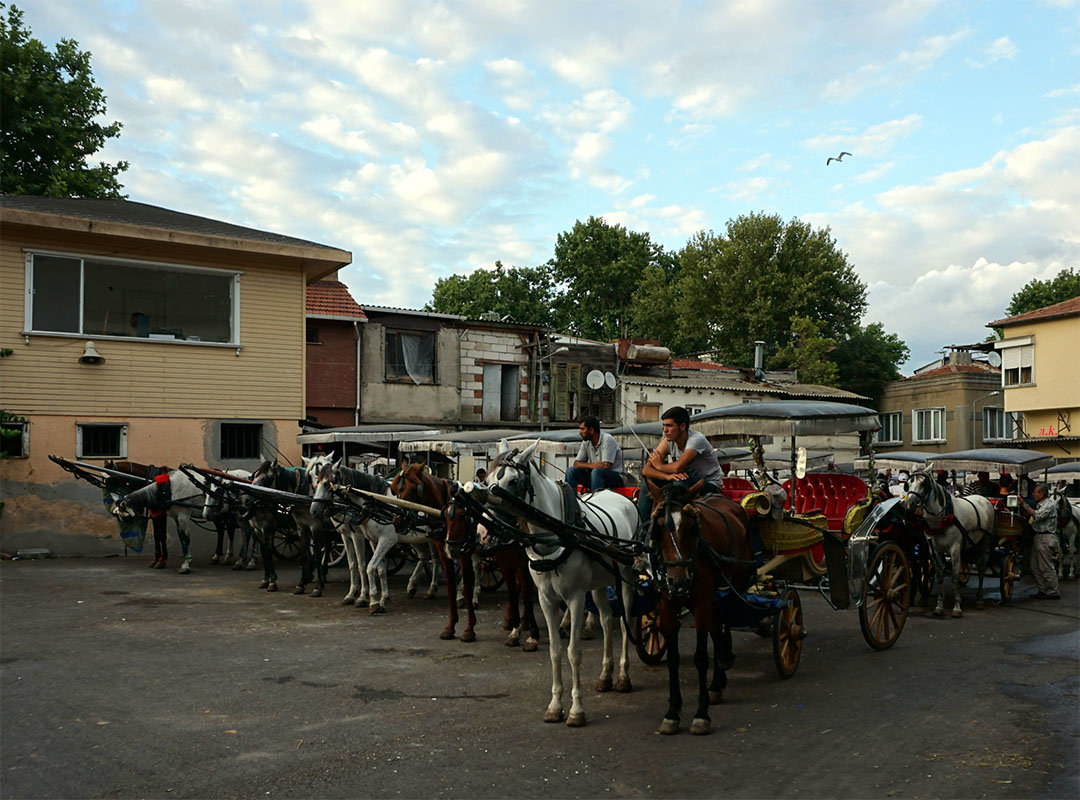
501,458
355,478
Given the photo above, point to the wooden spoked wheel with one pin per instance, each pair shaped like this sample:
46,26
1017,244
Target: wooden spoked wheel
651,645
815,560
286,544
490,576
788,634
397,557
335,549
886,596
1009,574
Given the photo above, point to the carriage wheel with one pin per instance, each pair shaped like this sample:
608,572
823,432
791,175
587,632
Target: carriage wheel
286,544
965,574
1008,577
335,549
490,576
886,596
651,645
788,634
396,558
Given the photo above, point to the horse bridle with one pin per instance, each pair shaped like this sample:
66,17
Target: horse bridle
521,486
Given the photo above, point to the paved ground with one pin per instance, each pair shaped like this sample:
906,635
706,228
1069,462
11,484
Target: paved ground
119,681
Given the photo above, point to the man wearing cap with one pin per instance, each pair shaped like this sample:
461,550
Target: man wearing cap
692,459
1044,544
599,462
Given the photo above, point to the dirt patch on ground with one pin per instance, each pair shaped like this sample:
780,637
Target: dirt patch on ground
28,511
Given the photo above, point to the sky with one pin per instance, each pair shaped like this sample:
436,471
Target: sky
433,138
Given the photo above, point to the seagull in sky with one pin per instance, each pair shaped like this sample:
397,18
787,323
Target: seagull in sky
838,159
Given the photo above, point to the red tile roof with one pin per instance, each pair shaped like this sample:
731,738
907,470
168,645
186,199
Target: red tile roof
948,369
332,299
1066,308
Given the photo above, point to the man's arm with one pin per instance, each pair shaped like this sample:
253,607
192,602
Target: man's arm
653,465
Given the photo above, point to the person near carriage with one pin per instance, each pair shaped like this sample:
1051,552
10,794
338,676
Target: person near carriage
682,456
599,462
1044,542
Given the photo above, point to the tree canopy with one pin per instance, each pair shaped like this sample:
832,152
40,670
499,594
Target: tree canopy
48,125
521,293
1039,294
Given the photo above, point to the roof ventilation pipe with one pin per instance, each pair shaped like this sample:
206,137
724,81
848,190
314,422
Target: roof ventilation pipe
759,359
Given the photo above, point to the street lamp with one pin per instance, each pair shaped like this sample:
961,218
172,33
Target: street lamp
973,402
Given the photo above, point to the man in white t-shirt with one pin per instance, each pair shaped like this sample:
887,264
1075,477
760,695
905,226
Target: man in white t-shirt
599,462
692,459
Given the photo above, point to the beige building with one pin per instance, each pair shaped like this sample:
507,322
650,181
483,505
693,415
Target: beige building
955,406
1040,376
142,333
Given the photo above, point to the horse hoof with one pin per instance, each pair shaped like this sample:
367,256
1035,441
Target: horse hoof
272,587
447,634
214,559
715,697
468,636
348,601
669,727
957,613
603,685
238,565
159,565
429,595
264,584
461,602
376,609
360,603
316,592
513,641
553,715
576,720
588,633
411,592
250,565
531,646
299,589
939,612
185,568
507,626
623,685
700,727
980,605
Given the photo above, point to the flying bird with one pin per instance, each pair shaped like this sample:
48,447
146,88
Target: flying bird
838,159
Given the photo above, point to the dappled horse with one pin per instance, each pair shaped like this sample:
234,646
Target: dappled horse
224,507
170,492
465,535
954,525
699,545
366,577
567,573
1068,525
266,520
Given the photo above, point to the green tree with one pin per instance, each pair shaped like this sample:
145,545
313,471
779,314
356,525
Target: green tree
48,124
809,352
1039,294
868,359
751,282
521,293
598,268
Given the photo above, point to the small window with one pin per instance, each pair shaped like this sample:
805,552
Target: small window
241,440
1018,365
410,356
890,433
928,425
14,439
312,334
691,409
648,412
998,425
101,440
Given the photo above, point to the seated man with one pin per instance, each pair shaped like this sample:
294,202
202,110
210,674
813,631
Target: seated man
693,459
599,463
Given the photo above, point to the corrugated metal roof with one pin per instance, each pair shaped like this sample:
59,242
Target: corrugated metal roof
708,380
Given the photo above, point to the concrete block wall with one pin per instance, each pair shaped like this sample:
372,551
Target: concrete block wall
479,347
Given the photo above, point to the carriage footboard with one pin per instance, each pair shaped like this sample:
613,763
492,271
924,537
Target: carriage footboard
836,563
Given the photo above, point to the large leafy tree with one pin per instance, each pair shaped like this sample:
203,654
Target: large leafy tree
749,283
868,359
598,269
49,112
1039,294
808,352
521,293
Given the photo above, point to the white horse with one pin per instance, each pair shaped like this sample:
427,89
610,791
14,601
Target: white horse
567,574
971,527
181,501
1068,535
224,502
367,579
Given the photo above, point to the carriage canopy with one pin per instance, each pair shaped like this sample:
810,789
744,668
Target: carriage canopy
996,459
786,418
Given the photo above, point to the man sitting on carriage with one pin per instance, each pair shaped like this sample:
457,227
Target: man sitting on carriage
599,462
692,459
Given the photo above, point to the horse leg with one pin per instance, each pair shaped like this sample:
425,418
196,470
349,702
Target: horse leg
701,723
161,540
513,594
181,521
981,562
604,682
623,684
377,566
350,559
320,538
588,632
219,527
549,602
668,623
305,559
528,596
433,587
360,548
414,578
576,605
723,658
939,576
468,576
447,565
956,558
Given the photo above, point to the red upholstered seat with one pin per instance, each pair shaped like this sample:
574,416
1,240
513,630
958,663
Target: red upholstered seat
828,493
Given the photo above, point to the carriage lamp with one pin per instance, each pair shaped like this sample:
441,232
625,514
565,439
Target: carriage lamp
91,355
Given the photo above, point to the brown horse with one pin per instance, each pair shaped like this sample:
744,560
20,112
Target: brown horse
463,537
699,545
415,484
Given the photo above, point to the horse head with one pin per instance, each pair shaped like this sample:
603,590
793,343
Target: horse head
415,484
323,481
675,531
924,491
512,471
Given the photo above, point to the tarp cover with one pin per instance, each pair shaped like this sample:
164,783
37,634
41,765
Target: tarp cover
385,432
998,459
461,442
903,459
786,418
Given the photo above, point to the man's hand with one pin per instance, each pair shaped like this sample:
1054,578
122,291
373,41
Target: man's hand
655,459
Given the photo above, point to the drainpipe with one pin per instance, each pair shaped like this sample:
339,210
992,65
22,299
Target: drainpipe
356,409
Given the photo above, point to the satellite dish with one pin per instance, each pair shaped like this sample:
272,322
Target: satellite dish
994,358
609,379
800,463
595,379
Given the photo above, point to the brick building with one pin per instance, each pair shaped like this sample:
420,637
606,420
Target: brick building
333,333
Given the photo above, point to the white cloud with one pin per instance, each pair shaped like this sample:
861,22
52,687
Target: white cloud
1074,89
873,140
874,173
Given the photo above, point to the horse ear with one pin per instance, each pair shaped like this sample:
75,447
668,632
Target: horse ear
422,461
527,454
503,447
335,459
693,491
654,490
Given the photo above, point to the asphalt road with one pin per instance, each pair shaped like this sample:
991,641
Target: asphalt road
119,681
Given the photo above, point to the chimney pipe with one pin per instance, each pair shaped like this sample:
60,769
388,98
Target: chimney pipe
759,359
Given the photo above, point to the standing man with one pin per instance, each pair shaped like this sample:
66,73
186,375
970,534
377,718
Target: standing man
599,462
1044,523
693,459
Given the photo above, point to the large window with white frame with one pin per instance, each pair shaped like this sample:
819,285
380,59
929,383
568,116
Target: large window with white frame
101,439
1018,365
928,425
999,425
106,297
891,428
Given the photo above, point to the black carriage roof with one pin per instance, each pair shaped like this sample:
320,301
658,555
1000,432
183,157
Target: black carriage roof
786,418
998,459
902,459
1065,469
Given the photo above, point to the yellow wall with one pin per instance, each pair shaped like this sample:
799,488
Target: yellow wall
1057,366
